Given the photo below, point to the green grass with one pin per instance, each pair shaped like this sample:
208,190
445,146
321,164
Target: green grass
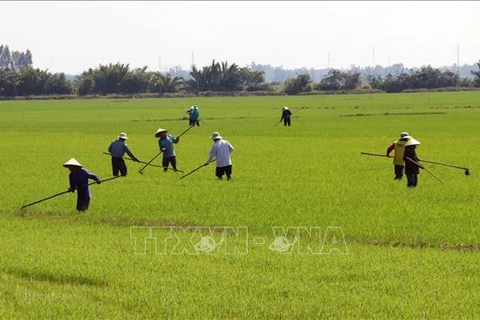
407,253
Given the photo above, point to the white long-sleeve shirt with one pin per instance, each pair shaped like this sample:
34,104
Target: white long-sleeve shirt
221,150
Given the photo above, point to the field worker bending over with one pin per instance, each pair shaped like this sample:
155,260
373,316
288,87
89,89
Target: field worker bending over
399,147
286,114
221,150
165,144
117,149
411,162
79,181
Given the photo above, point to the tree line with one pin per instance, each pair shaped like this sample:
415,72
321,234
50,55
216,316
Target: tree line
19,78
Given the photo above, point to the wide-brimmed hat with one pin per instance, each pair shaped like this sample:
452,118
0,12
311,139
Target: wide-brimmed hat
412,142
72,163
285,108
160,130
215,136
122,135
404,134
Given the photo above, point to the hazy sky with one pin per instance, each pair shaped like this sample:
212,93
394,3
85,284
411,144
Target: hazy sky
70,37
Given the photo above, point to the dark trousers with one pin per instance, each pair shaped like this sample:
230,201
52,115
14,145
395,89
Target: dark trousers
118,165
412,179
167,161
82,200
398,172
286,121
220,171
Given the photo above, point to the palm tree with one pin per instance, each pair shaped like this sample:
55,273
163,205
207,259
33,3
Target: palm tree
165,83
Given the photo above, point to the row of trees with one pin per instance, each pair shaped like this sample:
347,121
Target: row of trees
118,78
409,79
19,78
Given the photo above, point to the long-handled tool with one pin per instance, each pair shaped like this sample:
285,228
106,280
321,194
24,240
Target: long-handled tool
148,163
375,154
203,165
60,193
467,171
420,166
181,134
151,164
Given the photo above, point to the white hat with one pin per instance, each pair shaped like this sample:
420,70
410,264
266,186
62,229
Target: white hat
122,135
285,108
215,136
72,162
404,134
412,142
191,107
160,130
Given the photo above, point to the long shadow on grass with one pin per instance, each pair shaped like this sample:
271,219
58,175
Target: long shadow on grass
44,276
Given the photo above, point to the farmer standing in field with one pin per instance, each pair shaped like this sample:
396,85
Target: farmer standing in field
165,144
221,150
195,114
117,149
286,114
411,162
78,179
398,147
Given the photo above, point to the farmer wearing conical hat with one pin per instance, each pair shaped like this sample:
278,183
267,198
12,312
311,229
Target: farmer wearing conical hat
79,181
195,115
411,162
398,147
286,114
190,117
165,143
117,149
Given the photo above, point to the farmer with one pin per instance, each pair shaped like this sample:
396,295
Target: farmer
221,150
190,117
286,114
79,181
411,162
195,114
398,147
117,149
165,143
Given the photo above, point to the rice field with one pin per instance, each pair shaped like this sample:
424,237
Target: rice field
308,227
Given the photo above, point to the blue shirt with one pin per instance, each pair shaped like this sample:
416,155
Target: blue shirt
167,143
195,114
118,148
79,181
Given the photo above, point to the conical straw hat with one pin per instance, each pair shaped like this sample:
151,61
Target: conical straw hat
72,162
412,142
160,130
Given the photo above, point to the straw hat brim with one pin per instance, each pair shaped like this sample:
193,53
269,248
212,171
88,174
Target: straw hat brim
157,134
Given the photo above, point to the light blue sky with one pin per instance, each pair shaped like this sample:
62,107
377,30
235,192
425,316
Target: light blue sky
73,36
